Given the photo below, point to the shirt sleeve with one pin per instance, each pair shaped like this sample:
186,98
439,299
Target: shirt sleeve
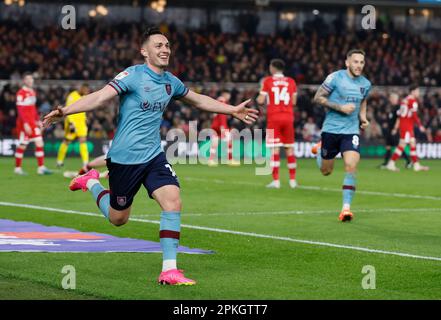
179,89
367,91
124,82
264,86
330,83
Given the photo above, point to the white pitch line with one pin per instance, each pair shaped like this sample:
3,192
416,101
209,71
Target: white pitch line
316,188
297,212
248,234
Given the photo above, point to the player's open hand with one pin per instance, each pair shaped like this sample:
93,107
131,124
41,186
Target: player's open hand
347,108
245,114
53,117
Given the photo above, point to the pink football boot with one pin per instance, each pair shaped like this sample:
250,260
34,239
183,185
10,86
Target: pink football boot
80,182
175,277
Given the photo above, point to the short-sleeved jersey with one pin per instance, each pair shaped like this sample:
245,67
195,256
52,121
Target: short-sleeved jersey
279,91
144,95
26,100
408,113
344,89
74,96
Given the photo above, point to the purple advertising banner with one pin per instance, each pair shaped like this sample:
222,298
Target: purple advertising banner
32,237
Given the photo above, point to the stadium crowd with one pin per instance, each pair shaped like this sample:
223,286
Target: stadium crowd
95,51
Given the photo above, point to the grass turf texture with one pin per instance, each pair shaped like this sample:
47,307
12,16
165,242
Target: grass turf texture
243,267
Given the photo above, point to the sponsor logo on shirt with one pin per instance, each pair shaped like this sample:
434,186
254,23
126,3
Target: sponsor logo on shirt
121,75
168,88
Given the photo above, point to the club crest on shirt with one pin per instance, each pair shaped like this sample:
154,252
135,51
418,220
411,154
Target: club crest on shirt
168,88
144,105
121,201
362,90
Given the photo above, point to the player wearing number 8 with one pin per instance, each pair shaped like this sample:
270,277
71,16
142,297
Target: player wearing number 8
344,94
280,94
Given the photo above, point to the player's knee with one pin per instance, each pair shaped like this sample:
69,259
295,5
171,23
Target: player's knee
173,204
350,167
119,220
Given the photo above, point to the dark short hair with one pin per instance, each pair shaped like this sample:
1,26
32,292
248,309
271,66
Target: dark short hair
413,86
85,84
355,51
27,73
150,32
279,64
225,91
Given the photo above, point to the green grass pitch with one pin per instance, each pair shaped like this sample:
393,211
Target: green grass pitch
269,244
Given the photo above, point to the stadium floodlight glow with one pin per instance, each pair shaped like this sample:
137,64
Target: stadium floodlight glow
8,2
425,12
154,5
92,13
315,12
412,11
160,9
385,36
102,10
162,3
21,3
288,16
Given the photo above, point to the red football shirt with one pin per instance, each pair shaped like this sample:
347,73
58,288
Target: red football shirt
26,106
408,113
279,91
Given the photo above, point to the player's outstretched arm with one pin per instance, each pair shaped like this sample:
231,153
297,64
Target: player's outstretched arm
87,103
209,104
364,122
321,98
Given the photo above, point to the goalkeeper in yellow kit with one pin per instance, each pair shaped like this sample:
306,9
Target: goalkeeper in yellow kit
75,127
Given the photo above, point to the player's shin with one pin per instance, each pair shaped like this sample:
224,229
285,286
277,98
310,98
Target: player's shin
292,166
319,159
62,151
101,195
413,154
348,189
19,155
169,234
275,165
84,153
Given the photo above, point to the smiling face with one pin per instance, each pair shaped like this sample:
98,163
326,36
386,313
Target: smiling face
355,64
156,51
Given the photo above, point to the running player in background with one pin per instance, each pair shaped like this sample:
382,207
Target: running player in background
75,127
28,126
280,94
222,132
136,157
392,139
344,93
407,119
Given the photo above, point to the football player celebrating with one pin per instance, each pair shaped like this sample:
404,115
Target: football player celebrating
344,93
135,157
